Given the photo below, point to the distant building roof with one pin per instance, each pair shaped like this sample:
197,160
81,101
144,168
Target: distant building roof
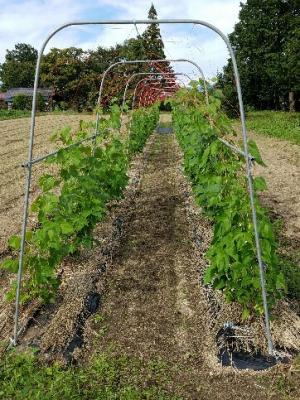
11,93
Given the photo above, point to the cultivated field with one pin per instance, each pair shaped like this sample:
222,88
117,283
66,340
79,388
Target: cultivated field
13,152
139,292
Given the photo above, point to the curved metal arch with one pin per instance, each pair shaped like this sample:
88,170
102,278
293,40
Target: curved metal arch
144,79
161,90
135,90
157,82
148,73
245,145
128,62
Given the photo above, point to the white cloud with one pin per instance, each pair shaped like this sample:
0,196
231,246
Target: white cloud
30,21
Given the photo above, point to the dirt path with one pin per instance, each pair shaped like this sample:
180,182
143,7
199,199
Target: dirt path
147,299
153,306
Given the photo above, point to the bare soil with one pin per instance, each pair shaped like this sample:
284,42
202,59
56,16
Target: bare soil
282,174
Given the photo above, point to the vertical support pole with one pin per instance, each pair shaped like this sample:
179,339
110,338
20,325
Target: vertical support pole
252,203
26,200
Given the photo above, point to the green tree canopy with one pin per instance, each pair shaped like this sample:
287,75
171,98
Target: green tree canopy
75,75
265,41
18,67
65,71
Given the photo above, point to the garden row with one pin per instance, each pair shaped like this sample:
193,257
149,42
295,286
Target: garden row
74,199
220,188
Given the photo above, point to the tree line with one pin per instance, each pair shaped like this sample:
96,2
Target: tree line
266,41
74,74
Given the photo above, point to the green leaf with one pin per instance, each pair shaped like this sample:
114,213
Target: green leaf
14,242
47,182
66,228
267,231
280,281
254,151
11,265
28,235
220,285
208,276
260,183
245,314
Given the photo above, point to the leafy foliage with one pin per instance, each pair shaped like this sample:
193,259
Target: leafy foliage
74,199
66,71
143,123
75,74
22,376
12,114
18,67
23,102
220,188
152,41
266,41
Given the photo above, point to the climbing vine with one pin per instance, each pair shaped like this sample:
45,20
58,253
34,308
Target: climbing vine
220,188
74,199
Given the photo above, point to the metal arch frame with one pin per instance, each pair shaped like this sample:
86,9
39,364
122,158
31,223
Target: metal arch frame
128,62
244,136
148,61
147,73
162,90
143,73
135,90
152,87
144,79
170,81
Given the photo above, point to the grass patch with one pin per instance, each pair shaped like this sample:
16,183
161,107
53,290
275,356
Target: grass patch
278,124
291,272
22,376
13,114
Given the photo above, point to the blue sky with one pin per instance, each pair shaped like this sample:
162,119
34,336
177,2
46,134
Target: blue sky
30,21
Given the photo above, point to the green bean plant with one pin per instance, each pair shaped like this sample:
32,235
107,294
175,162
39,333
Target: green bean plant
219,184
74,198
143,122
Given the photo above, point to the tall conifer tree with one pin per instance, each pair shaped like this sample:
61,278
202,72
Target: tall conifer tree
152,41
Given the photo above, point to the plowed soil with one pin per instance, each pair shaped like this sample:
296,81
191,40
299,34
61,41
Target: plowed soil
13,152
282,175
